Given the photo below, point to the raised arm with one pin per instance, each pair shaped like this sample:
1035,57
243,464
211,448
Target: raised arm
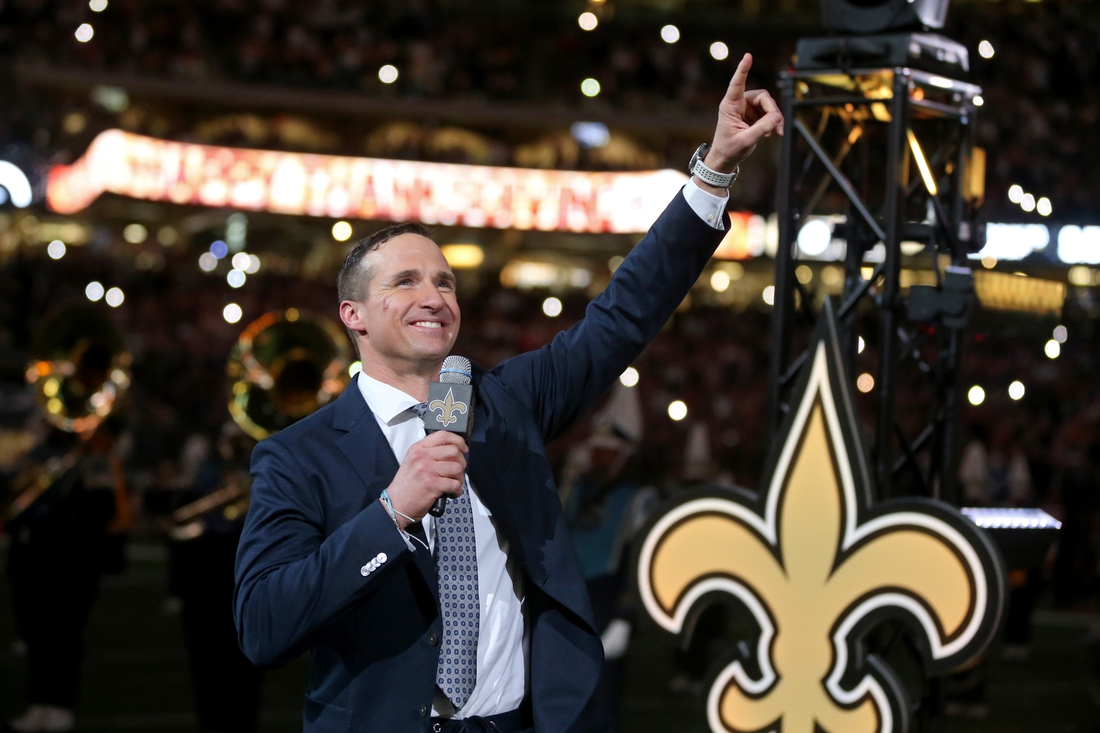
562,379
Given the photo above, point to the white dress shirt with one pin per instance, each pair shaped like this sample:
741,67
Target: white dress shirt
708,206
502,647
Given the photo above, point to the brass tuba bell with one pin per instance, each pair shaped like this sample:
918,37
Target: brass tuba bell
81,368
285,366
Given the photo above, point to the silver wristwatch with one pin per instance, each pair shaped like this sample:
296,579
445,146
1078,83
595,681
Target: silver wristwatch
700,170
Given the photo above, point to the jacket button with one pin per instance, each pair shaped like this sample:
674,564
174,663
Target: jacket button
423,711
433,639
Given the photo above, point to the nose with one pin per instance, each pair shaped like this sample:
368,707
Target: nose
430,297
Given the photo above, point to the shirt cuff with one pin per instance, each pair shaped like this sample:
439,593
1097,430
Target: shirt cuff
708,206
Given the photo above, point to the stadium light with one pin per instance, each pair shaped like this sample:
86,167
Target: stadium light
1027,203
1052,349
97,6
94,291
677,410
1015,193
588,21
1044,207
232,313
387,74
629,378
719,51
976,395
1016,390
590,87
865,383
551,307
84,33
985,50
670,34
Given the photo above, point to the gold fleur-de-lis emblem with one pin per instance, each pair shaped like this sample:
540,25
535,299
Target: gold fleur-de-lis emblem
817,566
447,408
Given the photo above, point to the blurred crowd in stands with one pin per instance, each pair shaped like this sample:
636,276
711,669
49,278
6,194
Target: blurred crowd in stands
1043,450
1041,90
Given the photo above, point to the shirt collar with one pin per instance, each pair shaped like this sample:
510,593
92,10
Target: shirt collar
386,401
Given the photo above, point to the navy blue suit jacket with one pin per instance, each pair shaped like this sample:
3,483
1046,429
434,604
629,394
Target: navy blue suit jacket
315,518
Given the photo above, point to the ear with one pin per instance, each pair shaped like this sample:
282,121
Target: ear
351,313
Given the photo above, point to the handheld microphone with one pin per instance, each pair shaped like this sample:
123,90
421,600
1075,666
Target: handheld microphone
450,407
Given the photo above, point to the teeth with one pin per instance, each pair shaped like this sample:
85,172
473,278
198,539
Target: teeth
428,324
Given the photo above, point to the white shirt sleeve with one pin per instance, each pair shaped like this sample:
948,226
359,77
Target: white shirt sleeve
708,206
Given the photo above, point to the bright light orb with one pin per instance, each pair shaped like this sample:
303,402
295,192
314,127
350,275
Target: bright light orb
861,345
232,313
814,237
241,261
341,231
84,33
1044,207
236,278
219,249
865,383
551,307
588,21
97,6
56,249
94,291
677,410
985,50
135,233
1015,193
1016,390
114,297
720,281
1061,334
630,377
387,74
976,395
590,87
670,34
719,51
253,265
978,100
207,262
354,368
1027,203
1052,349
769,295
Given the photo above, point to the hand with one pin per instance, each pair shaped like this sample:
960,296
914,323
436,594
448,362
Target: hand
743,119
433,467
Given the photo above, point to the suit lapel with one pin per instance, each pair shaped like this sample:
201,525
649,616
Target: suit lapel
368,451
363,443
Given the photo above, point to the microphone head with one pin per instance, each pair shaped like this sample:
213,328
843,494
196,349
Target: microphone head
456,370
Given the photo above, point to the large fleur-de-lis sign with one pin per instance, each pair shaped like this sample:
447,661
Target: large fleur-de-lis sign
817,565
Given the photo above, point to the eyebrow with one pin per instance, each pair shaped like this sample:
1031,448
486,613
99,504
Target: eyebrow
414,272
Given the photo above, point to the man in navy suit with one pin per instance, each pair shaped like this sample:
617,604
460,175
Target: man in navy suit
477,620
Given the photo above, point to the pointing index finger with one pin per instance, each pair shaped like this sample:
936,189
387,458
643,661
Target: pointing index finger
736,89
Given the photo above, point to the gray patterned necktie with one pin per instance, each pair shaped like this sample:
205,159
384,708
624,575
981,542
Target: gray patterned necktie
456,561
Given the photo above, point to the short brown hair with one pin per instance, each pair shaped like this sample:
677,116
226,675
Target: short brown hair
353,282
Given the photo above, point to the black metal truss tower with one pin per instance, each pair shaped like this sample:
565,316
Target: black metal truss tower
856,147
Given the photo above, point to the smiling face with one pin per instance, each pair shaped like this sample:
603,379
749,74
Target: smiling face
409,319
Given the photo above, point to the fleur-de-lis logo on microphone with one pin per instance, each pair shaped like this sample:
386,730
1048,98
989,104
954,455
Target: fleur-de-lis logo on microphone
817,566
447,408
